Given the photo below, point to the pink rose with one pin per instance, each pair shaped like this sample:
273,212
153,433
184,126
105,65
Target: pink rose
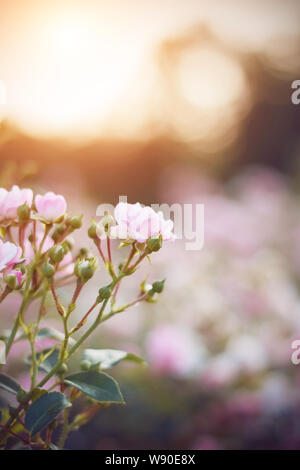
10,255
50,206
11,200
139,223
166,228
3,194
172,349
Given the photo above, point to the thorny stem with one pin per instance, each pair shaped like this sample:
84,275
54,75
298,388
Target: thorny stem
8,430
123,270
97,242
108,249
47,229
5,293
22,235
64,354
84,318
34,235
33,337
65,428
59,306
90,329
20,313
140,258
79,286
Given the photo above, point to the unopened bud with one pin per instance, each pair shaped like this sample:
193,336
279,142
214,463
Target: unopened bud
23,212
93,230
67,245
76,222
48,270
158,286
61,228
85,269
154,244
83,253
85,365
21,395
11,281
104,293
58,232
62,369
56,253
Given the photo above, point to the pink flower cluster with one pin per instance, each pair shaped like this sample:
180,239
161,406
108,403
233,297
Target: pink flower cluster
173,350
138,223
10,255
50,206
11,200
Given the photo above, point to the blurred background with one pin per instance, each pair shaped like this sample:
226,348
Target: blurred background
174,101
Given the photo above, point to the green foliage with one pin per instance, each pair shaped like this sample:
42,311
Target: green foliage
8,384
52,333
97,385
47,359
39,280
107,358
44,410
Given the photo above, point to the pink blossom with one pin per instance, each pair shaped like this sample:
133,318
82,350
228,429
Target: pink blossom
135,222
173,350
10,255
50,206
11,200
3,194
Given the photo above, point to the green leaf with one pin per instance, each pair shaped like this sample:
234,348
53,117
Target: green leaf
49,333
48,359
97,385
8,384
107,358
52,333
44,410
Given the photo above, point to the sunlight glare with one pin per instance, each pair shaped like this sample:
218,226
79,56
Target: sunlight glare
79,71
209,79
2,100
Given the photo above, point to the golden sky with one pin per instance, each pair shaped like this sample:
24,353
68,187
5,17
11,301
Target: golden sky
88,68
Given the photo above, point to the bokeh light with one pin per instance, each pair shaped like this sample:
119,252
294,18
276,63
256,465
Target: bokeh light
3,100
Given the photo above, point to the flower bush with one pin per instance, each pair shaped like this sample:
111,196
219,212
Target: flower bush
36,258
219,343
